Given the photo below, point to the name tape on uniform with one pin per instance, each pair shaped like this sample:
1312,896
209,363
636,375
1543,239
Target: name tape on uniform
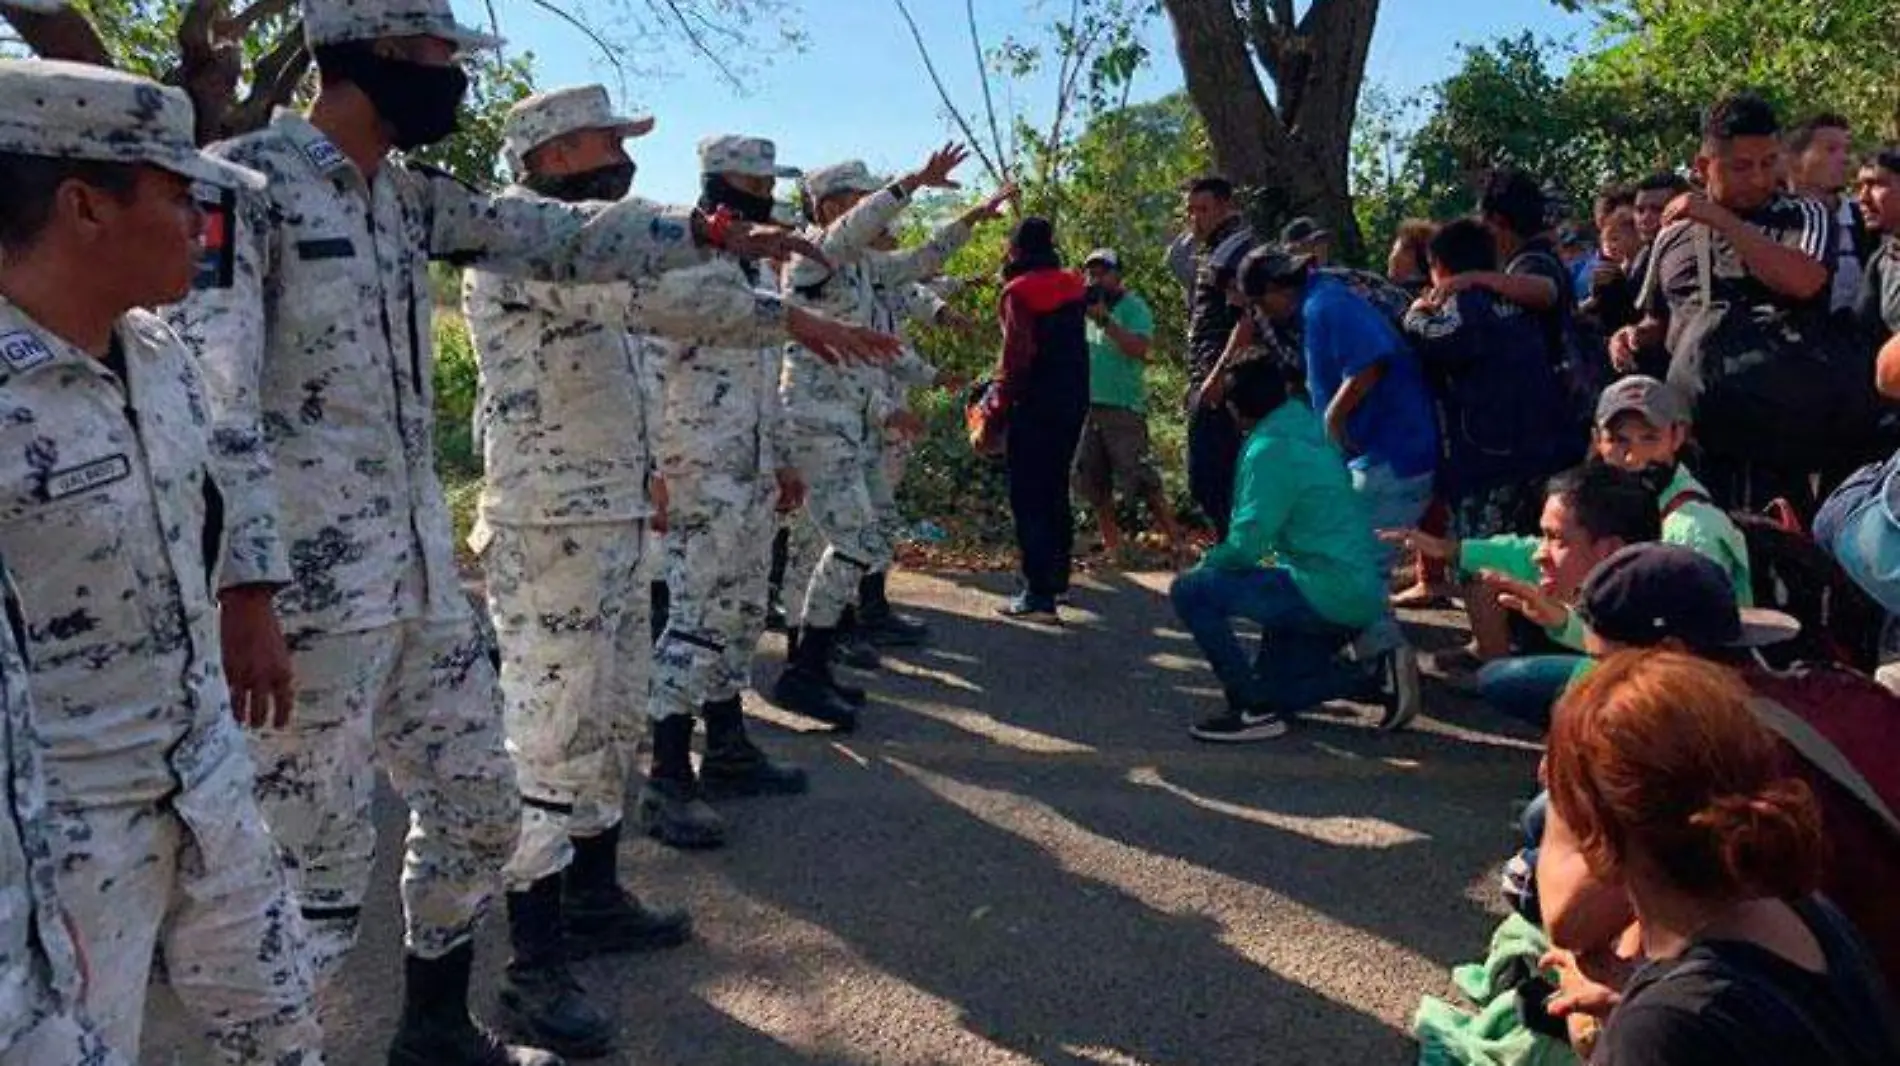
22,351
88,476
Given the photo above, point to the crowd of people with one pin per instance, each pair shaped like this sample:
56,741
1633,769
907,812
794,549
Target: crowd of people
1651,469
232,597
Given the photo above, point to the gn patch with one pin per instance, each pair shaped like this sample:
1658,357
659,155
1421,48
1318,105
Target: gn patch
87,476
22,351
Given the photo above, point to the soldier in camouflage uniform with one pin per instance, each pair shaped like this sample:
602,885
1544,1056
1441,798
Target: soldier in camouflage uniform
318,361
571,420
109,514
840,412
725,480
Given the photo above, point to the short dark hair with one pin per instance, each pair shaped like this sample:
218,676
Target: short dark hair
32,181
1886,159
1256,388
1608,501
1742,114
1213,185
333,60
1463,246
1515,197
1664,181
1613,197
1803,133
1268,266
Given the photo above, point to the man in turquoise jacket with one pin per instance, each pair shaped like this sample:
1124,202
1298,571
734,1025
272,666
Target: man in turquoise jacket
1299,558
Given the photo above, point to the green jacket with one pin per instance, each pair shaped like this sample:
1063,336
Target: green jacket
1294,507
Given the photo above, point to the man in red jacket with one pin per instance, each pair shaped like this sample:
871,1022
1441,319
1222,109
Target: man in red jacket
1042,389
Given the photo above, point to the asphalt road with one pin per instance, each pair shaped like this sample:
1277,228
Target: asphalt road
1021,857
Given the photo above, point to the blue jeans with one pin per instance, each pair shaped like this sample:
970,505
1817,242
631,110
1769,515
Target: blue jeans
1392,502
1527,687
1298,666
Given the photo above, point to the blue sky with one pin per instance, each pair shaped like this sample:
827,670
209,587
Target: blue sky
859,90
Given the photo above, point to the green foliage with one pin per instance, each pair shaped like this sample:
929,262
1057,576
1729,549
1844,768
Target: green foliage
1119,189
474,153
458,462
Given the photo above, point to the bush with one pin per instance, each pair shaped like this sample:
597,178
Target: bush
457,382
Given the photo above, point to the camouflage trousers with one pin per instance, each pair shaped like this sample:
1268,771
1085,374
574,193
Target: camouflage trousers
718,559
194,882
570,607
419,698
56,1036
841,514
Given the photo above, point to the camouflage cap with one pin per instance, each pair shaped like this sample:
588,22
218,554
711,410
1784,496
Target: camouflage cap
78,111
337,21
733,154
544,116
852,176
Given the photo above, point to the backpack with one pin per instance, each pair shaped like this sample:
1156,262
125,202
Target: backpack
1791,573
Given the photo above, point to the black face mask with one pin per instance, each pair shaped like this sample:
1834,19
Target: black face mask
421,103
610,183
718,192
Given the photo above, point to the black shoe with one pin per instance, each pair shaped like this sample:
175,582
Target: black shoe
806,686
1240,727
674,813
540,998
880,623
435,1028
858,653
602,918
741,769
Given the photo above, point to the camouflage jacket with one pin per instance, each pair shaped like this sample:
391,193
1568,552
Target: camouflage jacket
114,528
318,357
864,287
723,419
567,394
36,951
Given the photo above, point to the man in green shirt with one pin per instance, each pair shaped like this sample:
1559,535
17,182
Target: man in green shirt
1300,559
1114,448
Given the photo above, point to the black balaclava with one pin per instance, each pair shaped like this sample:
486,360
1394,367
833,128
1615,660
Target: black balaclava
421,102
717,192
611,182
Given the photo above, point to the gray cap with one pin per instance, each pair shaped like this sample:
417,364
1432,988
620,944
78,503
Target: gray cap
1104,257
849,176
544,116
1303,230
736,154
1659,404
78,111
337,21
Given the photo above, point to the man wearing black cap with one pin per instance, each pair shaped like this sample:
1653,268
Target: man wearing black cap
1042,389
1303,236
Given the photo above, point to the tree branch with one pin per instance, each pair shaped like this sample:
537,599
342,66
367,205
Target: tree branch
607,51
235,27
273,83
956,114
208,67
989,101
62,34
693,38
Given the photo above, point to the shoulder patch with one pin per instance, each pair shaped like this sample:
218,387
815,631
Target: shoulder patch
87,476
323,154
22,351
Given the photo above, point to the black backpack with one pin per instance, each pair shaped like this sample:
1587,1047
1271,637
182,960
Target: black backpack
1791,573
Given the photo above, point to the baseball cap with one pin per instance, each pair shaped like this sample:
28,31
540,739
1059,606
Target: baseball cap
338,21
64,110
544,116
849,176
1273,265
1103,257
734,154
1656,401
1649,592
1303,230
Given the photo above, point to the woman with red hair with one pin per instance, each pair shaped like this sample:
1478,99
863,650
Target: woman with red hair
1663,782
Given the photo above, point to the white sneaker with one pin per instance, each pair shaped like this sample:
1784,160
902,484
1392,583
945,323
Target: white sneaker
1404,694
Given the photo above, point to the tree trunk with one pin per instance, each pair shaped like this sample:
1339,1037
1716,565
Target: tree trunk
1294,156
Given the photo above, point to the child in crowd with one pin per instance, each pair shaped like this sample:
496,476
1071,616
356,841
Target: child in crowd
1294,504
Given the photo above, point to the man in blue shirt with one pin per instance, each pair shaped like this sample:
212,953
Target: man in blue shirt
1367,387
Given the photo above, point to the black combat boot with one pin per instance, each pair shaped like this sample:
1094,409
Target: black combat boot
852,694
540,997
853,649
602,918
775,617
806,687
435,1029
880,623
734,766
672,810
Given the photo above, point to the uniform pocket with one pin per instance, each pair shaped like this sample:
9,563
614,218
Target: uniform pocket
86,601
